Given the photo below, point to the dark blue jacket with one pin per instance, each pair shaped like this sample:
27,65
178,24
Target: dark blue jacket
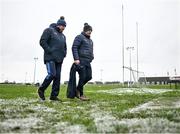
82,48
54,44
71,88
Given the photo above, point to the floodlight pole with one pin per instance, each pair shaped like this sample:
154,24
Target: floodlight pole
35,59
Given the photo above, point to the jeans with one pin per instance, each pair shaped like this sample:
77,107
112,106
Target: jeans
54,74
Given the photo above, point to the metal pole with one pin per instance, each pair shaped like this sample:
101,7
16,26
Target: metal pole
123,43
130,67
35,59
137,51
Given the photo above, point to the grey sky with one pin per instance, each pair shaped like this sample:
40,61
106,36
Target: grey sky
23,21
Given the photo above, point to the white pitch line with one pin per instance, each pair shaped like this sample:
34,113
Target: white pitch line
104,121
121,91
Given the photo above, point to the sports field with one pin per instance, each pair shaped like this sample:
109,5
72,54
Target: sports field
112,109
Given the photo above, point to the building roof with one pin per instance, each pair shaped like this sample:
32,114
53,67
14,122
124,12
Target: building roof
153,79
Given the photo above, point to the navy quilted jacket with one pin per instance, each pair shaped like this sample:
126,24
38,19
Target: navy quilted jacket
82,48
54,44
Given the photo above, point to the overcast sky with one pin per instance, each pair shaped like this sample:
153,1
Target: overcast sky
23,21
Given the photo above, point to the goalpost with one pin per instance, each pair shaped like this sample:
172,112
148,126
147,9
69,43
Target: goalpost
137,82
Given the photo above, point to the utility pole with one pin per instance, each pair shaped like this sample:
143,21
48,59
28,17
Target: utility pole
123,43
35,59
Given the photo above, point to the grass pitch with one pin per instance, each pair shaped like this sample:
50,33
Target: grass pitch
112,109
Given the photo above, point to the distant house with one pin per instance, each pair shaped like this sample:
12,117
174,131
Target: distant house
154,80
91,83
175,80
98,82
159,80
112,82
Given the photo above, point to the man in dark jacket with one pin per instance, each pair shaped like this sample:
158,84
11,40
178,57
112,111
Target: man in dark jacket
82,50
53,41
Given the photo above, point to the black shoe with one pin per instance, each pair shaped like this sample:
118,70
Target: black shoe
55,99
77,94
41,95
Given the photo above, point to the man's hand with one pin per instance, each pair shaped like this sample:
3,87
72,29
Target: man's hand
76,62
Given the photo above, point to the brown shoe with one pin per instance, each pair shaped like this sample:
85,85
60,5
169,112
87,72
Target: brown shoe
84,98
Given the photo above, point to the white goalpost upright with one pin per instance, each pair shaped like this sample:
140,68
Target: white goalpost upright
136,74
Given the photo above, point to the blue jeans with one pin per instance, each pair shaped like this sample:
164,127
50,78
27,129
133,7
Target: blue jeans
54,74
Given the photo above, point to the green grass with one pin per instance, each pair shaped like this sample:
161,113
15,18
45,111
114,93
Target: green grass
104,113
167,86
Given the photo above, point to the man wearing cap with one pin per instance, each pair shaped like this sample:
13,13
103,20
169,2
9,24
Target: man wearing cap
82,50
53,41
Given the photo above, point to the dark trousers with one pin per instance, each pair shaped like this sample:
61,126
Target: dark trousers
85,74
54,74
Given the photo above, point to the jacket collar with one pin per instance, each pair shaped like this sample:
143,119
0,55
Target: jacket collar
83,33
